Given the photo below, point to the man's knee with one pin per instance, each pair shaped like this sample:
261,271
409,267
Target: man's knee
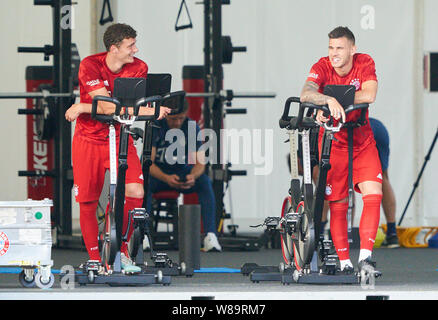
343,200
204,182
134,190
370,187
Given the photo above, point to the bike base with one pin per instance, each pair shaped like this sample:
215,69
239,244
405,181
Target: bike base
289,277
259,275
169,271
249,268
120,279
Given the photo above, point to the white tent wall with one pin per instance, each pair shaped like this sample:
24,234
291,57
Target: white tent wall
283,39
24,24
30,25
429,126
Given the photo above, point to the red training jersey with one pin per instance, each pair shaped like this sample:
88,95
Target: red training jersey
95,74
322,73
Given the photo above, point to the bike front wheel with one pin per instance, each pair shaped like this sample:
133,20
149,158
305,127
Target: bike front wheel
109,239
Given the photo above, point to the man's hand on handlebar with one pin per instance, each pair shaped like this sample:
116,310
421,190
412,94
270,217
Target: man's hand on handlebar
164,111
336,111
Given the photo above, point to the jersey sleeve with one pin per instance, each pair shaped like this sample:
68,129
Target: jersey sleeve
89,76
368,69
317,74
142,70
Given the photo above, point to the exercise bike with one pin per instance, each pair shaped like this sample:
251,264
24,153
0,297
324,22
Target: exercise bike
308,257
129,98
142,220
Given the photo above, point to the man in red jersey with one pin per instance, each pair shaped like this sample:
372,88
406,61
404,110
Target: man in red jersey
344,66
90,146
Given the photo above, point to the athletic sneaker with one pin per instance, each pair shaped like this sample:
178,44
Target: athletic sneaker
94,265
347,270
211,243
128,265
370,265
391,241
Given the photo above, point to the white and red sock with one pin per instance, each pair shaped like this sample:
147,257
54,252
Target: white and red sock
369,223
89,228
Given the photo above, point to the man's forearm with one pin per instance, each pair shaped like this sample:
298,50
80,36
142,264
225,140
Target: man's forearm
310,94
156,172
367,94
363,97
197,170
102,107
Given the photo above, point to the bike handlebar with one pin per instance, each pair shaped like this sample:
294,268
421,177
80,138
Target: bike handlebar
300,121
143,102
104,117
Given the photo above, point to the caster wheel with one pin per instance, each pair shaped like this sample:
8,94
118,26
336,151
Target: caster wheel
183,268
44,284
296,275
26,281
91,276
281,267
159,276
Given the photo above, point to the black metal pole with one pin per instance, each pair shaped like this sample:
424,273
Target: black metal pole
213,110
207,62
62,84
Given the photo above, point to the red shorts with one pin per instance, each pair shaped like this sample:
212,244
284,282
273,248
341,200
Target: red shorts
91,161
366,167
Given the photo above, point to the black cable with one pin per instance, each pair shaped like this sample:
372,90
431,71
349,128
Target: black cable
419,176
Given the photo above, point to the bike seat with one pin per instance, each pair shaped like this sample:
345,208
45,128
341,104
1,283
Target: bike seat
168,194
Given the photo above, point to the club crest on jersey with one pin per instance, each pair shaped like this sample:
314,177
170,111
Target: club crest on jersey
328,190
76,190
355,82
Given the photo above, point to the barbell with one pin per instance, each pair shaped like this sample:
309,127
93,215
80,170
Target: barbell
227,95
47,101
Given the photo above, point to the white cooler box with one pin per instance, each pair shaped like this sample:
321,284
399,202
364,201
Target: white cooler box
26,240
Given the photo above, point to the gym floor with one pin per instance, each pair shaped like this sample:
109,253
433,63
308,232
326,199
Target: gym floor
408,274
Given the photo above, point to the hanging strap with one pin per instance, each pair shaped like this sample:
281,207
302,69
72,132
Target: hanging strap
186,26
109,18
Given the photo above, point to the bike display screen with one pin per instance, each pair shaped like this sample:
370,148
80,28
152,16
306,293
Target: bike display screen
342,93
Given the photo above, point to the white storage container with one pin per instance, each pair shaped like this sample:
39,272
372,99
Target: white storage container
26,240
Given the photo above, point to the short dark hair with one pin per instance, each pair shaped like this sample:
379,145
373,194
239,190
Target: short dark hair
340,32
185,107
115,34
